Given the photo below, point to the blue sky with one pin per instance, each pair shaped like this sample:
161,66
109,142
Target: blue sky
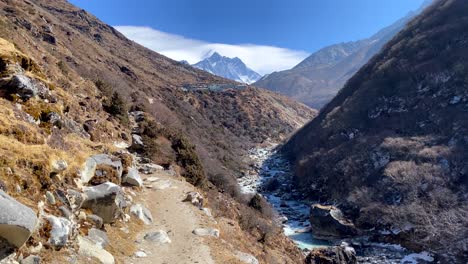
299,26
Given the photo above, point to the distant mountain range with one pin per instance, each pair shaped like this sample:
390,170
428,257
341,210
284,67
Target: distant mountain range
230,68
317,79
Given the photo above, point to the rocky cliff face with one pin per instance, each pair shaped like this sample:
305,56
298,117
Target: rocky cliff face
391,147
67,85
317,79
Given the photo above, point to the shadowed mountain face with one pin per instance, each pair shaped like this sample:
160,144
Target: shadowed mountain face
391,148
230,68
317,79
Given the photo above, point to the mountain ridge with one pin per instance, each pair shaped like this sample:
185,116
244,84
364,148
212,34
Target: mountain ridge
318,78
389,149
230,68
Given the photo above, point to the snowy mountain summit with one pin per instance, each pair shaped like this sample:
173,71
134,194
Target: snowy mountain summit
230,68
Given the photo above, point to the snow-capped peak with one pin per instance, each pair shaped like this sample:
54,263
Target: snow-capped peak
230,68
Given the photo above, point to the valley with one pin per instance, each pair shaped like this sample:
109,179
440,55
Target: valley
272,177
113,153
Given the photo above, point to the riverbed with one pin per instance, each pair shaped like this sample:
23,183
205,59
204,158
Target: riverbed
293,210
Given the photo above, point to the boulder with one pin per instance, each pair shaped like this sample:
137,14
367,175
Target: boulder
50,198
132,178
137,141
150,168
194,198
342,254
142,213
89,249
206,232
23,86
159,236
99,237
75,199
246,258
17,221
328,223
59,165
105,200
65,212
102,168
31,259
96,220
60,230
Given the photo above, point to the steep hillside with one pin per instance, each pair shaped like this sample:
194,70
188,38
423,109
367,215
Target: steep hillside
67,84
391,148
317,79
230,68
95,51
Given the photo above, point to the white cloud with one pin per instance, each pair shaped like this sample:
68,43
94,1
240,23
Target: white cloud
262,59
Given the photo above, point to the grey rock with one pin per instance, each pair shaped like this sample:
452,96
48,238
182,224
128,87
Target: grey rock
105,200
342,254
99,165
61,228
206,232
99,237
328,222
139,116
132,178
59,165
74,127
26,87
194,198
150,168
159,236
96,220
246,258
89,249
50,198
17,221
31,259
142,213
75,199
65,212
23,86
137,141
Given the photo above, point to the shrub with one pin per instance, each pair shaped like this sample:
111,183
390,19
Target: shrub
189,160
226,184
117,107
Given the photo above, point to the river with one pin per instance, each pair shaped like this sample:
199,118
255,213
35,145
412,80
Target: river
293,210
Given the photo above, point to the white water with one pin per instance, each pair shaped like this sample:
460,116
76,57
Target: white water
267,166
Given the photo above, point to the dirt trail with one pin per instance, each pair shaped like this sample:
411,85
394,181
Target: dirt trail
178,219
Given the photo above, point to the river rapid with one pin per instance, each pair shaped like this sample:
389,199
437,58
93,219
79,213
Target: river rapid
293,211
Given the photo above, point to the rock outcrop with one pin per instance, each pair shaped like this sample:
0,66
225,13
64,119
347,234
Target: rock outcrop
105,200
328,222
342,254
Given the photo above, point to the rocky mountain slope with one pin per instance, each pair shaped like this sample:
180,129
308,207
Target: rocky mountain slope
390,149
317,79
230,68
68,83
